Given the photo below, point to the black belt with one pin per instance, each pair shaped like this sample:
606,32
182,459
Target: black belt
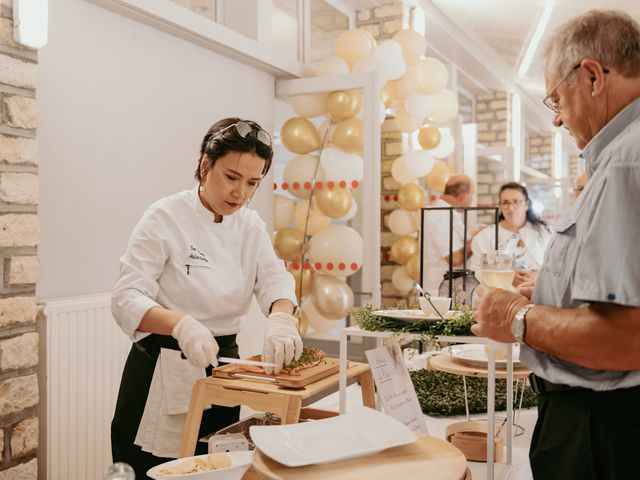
151,345
539,385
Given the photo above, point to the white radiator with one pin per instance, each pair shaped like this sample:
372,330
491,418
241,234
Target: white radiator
86,351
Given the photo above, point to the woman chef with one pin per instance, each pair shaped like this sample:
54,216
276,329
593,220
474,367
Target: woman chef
192,266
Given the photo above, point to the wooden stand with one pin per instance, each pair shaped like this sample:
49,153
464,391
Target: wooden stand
264,397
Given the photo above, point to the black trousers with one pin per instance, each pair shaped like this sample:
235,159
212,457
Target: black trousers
132,398
587,435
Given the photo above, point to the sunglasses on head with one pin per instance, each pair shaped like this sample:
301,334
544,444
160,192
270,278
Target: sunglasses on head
244,129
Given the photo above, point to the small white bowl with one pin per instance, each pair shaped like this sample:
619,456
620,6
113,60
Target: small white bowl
240,463
441,303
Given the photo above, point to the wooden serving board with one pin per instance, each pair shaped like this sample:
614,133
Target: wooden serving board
428,457
327,367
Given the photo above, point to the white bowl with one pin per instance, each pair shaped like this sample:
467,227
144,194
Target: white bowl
240,463
441,303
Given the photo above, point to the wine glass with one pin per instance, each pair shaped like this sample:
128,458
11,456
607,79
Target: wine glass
498,268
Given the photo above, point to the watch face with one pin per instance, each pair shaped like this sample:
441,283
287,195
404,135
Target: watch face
517,327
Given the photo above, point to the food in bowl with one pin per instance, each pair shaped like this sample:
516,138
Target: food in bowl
205,463
240,461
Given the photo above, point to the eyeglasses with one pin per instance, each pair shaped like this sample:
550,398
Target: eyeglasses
244,129
552,104
515,203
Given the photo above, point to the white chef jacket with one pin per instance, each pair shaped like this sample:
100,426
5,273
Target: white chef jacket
179,259
529,257
436,243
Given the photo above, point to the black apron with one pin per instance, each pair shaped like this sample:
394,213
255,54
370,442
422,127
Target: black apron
132,398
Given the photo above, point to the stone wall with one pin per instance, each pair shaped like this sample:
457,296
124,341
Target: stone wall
19,237
383,22
493,118
539,153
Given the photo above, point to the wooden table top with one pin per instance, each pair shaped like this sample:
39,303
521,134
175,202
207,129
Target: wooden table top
446,363
428,457
239,383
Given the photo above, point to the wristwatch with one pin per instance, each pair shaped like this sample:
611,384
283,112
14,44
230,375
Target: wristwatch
518,326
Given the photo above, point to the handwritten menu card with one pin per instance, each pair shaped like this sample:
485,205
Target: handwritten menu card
399,399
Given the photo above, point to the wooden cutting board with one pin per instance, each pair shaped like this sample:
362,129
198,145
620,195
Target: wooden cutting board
426,458
325,368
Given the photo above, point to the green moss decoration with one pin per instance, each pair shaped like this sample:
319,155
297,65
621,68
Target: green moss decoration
442,393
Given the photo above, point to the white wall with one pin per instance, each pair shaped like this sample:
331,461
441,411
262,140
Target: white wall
122,110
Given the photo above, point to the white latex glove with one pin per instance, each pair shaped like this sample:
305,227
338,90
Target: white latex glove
282,342
196,342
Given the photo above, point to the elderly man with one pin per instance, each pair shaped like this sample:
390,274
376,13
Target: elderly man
457,193
580,334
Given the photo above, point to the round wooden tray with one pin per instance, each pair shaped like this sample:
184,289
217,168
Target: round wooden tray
427,457
446,363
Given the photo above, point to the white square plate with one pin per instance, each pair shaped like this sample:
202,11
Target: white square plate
361,432
474,354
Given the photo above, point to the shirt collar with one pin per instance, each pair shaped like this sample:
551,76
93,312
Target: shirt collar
591,153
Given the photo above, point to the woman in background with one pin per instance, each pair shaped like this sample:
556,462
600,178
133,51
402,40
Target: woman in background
520,231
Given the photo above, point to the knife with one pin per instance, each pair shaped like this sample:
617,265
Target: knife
239,361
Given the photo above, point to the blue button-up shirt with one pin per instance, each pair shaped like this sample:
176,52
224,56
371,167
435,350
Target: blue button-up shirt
593,255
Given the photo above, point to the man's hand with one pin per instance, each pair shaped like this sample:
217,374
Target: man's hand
526,288
524,276
495,309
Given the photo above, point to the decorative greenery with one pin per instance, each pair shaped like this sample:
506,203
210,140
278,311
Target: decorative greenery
459,324
442,393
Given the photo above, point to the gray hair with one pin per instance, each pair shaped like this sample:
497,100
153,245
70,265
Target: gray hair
608,36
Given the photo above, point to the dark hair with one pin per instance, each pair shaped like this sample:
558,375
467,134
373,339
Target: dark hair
457,187
532,217
215,146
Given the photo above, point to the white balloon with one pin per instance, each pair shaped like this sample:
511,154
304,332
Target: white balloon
393,65
445,106
310,105
402,222
340,166
332,66
298,174
401,280
419,105
445,147
336,250
399,171
432,75
352,212
407,123
283,211
370,63
419,162
316,320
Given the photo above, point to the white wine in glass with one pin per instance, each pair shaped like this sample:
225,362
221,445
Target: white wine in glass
498,269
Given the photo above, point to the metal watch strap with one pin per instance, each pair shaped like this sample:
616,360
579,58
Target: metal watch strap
518,327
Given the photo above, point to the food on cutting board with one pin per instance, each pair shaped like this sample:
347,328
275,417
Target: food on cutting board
311,356
213,461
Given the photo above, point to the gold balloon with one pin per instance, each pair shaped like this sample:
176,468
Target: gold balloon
412,196
438,176
429,137
288,243
299,135
386,95
303,322
343,105
312,219
335,202
403,249
301,275
413,267
332,297
348,135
